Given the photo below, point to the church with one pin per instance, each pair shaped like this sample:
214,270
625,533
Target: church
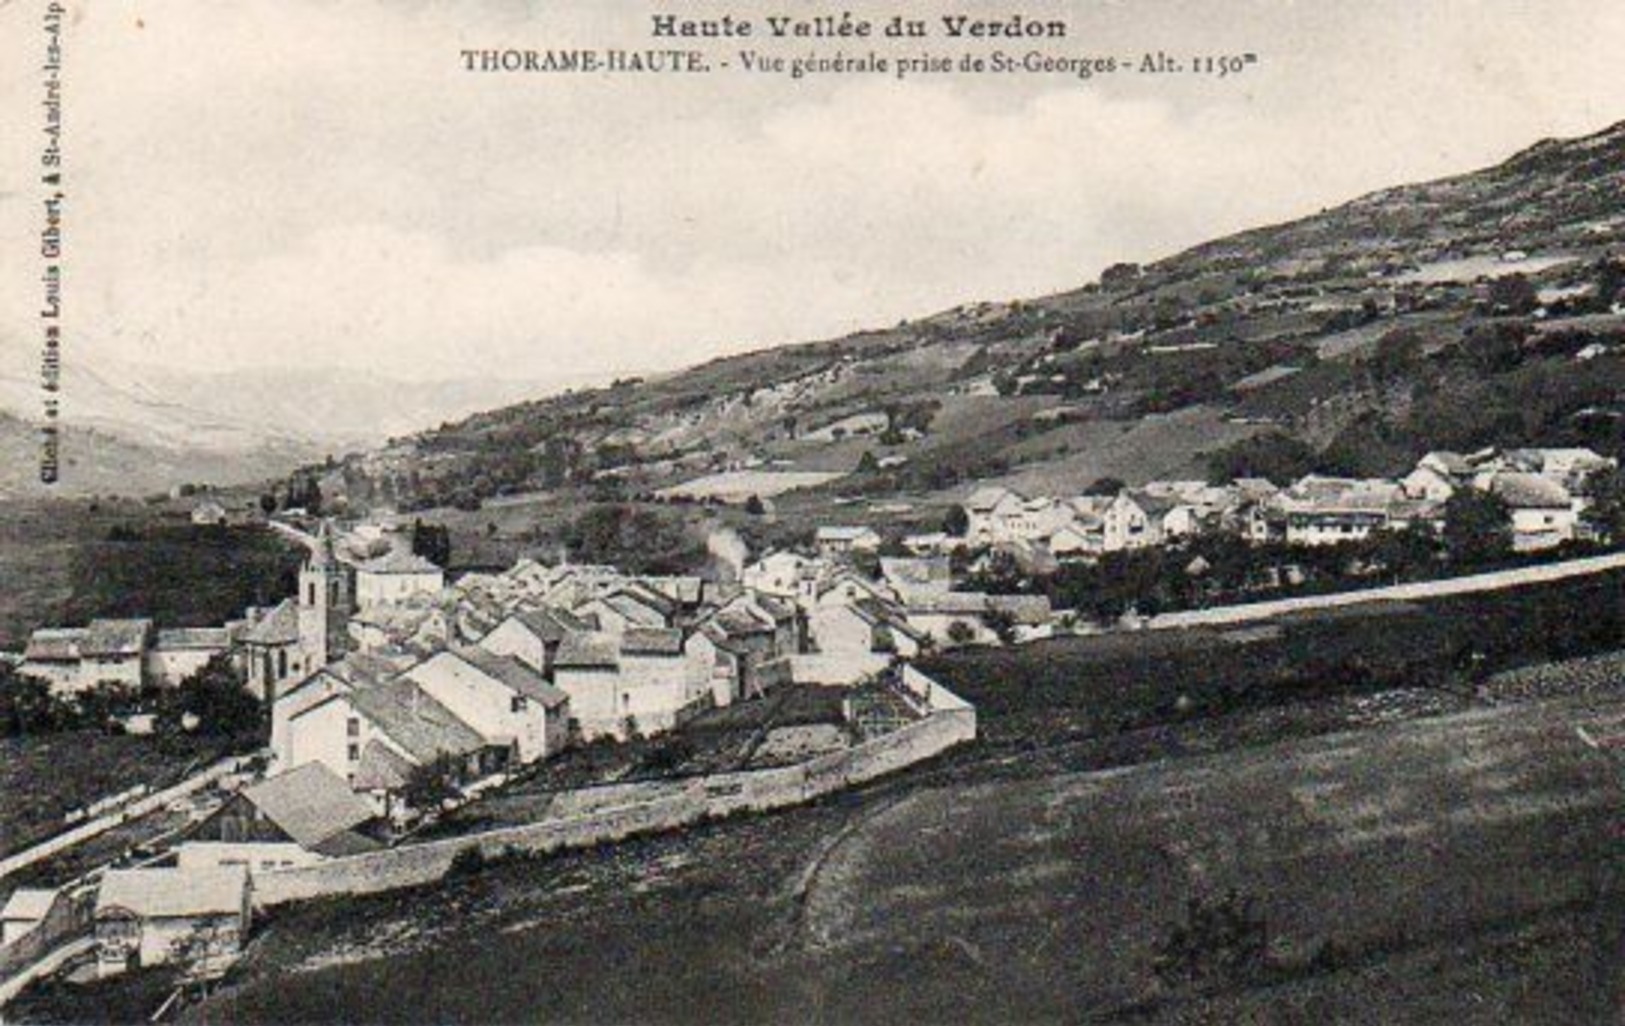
300,635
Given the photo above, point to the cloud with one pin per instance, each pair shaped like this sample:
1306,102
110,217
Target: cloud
279,182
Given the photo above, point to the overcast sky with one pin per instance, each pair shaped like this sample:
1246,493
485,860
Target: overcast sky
316,182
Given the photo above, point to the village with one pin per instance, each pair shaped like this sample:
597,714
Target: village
395,697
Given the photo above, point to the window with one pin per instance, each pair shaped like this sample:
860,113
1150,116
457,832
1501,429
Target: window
282,662
517,704
626,700
353,727
355,752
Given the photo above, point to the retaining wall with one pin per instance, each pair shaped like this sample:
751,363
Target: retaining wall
951,721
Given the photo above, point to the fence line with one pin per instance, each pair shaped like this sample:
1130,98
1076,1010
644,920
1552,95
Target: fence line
61,842
1494,580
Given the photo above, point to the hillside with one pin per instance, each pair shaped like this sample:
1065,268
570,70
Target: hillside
1475,310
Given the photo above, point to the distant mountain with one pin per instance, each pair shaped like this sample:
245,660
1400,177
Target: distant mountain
344,408
1455,313
137,429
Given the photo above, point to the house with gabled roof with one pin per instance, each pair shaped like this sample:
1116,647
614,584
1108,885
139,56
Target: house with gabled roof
835,540
1544,513
508,702
295,818
199,917
642,678
395,577
180,652
73,659
629,605
375,736
271,649
533,636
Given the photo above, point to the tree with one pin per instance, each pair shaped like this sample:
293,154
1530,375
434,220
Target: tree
961,633
1105,486
268,503
432,542
217,697
1275,456
430,785
1514,295
1605,517
754,507
1496,346
1395,354
1119,276
956,522
867,464
1002,623
1477,527
26,704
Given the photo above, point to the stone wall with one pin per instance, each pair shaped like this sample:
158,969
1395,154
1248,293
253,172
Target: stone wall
950,721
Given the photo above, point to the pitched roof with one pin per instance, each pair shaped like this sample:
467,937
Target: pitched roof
280,626
1529,491
168,893
643,595
1030,610
194,638
843,533
54,645
949,602
684,589
551,624
115,637
309,803
919,572
590,650
513,675
399,561
29,903
411,718
381,768
882,614
652,641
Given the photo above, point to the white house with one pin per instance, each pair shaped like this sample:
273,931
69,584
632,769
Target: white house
534,636
396,577
504,700
295,818
1330,511
24,911
181,652
640,678
787,574
208,514
145,917
1544,514
844,541
74,659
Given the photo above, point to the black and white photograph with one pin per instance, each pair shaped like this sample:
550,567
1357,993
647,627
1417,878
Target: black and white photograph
764,512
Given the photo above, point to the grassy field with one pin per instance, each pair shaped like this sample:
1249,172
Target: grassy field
43,778
63,562
1071,688
1412,855
1473,856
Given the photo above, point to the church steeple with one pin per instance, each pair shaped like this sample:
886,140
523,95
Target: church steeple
324,601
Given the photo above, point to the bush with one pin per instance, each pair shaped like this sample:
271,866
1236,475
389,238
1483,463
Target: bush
469,861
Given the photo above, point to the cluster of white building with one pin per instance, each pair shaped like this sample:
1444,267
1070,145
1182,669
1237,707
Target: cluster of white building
1545,492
